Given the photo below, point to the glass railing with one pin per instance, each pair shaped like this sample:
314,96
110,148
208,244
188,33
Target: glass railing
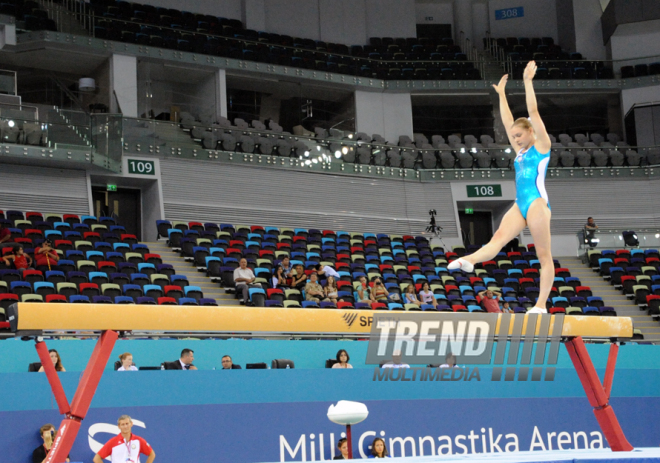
107,141
44,126
7,82
603,238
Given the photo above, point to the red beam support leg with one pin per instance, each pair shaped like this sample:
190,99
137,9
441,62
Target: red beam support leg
91,377
53,379
598,395
349,441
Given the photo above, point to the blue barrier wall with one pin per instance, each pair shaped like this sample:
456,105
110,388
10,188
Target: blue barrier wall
280,415
16,354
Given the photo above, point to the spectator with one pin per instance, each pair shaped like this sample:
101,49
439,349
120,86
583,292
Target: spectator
313,290
506,308
21,260
127,362
591,225
327,271
5,237
363,291
299,280
379,293
342,360
589,231
46,257
490,300
427,296
244,279
125,447
228,364
286,265
185,362
396,361
410,297
47,433
279,280
342,445
450,361
378,449
57,361
330,289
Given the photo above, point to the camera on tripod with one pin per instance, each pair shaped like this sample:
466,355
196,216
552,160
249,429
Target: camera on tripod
433,228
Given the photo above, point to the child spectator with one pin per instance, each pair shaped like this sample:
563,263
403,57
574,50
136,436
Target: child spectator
21,260
279,279
410,297
330,289
426,295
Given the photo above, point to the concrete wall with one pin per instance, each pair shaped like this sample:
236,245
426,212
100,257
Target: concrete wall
123,85
588,31
540,19
226,8
629,97
390,18
387,114
636,40
343,21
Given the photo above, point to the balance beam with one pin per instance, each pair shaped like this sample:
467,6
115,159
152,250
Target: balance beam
33,319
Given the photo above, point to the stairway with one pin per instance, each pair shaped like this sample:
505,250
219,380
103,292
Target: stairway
613,297
493,70
209,288
64,132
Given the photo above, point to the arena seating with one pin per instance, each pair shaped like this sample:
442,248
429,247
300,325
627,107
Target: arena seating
398,260
383,58
552,62
99,262
29,15
636,272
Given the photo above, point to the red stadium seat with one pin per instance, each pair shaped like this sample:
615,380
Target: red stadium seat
55,298
167,301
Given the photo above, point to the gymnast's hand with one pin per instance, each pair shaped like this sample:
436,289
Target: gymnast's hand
530,71
499,88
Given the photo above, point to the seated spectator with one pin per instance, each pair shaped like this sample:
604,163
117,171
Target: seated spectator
506,308
363,291
47,433
185,362
410,297
327,271
379,293
5,237
279,280
57,361
490,300
20,260
330,289
127,362
244,279
426,295
342,360
299,279
378,449
396,361
286,265
228,364
46,257
450,361
342,445
313,290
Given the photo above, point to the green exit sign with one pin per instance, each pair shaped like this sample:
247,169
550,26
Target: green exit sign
112,187
484,191
141,167
469,210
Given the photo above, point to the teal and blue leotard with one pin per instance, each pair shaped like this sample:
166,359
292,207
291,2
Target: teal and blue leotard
531,167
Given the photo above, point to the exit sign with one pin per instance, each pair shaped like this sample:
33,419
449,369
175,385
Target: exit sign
469,210
484,191
112,187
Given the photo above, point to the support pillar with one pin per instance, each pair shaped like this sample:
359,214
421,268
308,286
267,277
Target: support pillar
123,85
387,114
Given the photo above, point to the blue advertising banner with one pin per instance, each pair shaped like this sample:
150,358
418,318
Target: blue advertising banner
280,415
510,13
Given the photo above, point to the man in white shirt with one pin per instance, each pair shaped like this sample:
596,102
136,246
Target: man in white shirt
396,361
326,271
244,277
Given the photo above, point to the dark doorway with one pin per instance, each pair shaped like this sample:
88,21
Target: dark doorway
123,205
434,31
476,228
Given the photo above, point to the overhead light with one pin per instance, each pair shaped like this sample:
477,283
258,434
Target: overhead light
350,135
315,161
306,154
344,150
10,123
307,162
337,154
462,150
376,151
318,147
657,235
508,150
474,150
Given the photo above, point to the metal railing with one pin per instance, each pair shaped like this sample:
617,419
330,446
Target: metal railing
612,238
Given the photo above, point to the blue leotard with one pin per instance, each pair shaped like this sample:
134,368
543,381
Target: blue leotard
530,167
